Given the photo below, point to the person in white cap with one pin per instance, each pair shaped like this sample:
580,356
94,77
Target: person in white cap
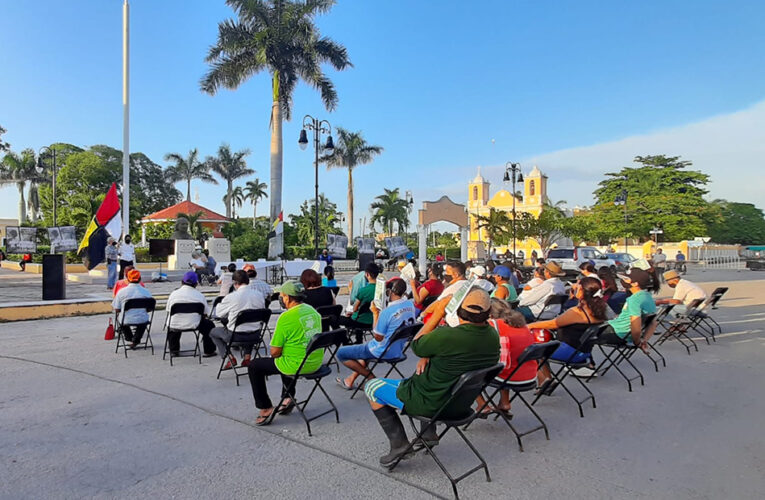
481,282
685,292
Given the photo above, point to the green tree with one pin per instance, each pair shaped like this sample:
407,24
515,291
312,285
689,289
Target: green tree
187,169
17,169
236,198
304,222
195,227
4,146
230,166
495,226
389,209
661,192
351,150
255,191
733,222
281,38
545,229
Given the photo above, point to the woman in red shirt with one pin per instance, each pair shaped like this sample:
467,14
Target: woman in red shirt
514,338
431,288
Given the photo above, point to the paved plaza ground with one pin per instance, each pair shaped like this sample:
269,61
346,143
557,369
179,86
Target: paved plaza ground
78,421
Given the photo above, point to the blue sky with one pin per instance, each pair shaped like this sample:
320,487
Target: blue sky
578,87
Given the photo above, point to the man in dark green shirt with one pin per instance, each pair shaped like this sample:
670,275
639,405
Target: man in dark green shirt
361,318
446,353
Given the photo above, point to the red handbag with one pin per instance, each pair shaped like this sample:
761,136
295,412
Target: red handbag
109,335
541,335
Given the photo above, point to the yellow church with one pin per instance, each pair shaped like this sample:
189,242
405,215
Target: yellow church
479,204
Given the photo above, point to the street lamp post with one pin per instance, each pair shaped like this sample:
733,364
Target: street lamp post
513,173
41,169
409,205
318,126
621,199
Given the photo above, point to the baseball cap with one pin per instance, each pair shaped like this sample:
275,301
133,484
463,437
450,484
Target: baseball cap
478,271
248,267
502,271
477,301
134,276
190,277
291,288
638,276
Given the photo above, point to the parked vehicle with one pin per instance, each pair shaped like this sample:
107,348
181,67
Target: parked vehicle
570,258
622,260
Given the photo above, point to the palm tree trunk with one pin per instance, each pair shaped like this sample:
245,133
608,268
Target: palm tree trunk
228,198
254,213
350,205
188,189
276,159
22,203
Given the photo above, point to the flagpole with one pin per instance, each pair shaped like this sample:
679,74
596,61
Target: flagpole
125,118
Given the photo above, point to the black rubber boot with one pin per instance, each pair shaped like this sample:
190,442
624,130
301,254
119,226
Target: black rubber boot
394,429
430,436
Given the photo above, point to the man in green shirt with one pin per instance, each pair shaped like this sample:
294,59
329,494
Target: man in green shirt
629,324
446,353
361,318
294,330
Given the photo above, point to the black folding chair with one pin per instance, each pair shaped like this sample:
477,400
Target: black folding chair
146,303
586,343
335,290
247,340
405,334
463,394
677,328
535,352
701,321
552,300
428,300
324,340
329,316
362,332
184,308
215,303
623,351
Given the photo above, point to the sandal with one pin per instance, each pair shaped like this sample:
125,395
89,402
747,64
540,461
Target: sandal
542,389
286,409
264,419
341,383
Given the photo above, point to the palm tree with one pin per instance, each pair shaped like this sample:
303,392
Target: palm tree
280,37
230,166
17,169
187,169
389,208
351,150
254,191
237,199
495,225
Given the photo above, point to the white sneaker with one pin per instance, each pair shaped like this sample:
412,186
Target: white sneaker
584,372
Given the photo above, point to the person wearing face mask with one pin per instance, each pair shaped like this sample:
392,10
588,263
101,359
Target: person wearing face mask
431,288
454,279
243,298
112,256
127,254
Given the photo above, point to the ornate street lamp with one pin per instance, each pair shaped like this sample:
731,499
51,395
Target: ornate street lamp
318,127
513,173
41,169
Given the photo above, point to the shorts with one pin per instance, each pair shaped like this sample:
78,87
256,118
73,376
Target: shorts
357,351
564,353
383,391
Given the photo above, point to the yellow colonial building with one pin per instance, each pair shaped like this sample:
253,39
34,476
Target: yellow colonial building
480,202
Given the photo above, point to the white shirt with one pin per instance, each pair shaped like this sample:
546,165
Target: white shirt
535,298
226,280
127,252
196,263
687,292
453,288
659,258
185,294
133,316
235,302
534,282
262,287
484,285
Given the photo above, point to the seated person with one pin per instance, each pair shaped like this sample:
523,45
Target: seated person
514,338
431,288
505,289
532,302
610,287
538,279
243,298
685,292
329,277
226,280
314,294
137,317
627,327
294,329
590,310
399,312
198,264
587,269
326,257
258,284
211,263
119,285
186,294
447,353
361,317
479,272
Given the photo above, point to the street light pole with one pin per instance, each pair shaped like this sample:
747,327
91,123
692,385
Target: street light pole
513,173
40,168
621,199
317,126
409,204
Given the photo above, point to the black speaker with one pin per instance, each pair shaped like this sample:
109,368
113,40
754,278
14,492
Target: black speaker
365,259
53,277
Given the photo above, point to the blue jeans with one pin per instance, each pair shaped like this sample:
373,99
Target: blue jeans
357,351
111,267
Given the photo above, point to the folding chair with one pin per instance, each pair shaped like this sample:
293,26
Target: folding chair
329,316
362,332
623,351
335,290
427,301
586,343
701,321
184,308
552,300
463,394
646,325
404,333
678,328
251,340
146,303
535,352
215,303
324,340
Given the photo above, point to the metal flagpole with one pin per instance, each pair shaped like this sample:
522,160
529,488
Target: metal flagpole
125,118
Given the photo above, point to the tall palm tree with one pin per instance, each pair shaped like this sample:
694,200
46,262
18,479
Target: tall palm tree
495,225
187,169
230,166
255,191
236,198
389,209
17,169
280,37
351,150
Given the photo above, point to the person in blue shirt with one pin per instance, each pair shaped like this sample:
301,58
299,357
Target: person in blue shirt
400,311
329,277
326,257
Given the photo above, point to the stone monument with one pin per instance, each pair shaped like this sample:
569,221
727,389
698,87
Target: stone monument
219,248
181,229
183,250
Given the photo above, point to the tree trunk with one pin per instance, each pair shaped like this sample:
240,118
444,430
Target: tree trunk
254,213
350,206
188,189
276,165
228,199
22,203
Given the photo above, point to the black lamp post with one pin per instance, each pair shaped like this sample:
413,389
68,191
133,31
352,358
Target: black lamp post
621,199
318,126
409,205
513,173
41,169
